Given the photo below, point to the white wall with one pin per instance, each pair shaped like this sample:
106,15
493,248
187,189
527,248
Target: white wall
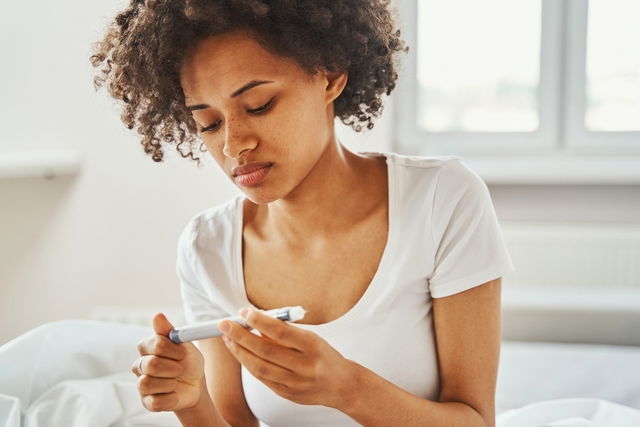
108,235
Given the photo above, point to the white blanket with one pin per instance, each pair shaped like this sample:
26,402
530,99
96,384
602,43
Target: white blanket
570,413
75,373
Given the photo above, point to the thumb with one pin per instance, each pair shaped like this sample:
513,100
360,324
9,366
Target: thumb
161,324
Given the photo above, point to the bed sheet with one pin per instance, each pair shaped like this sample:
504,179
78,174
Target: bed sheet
75,373
537,371
583,412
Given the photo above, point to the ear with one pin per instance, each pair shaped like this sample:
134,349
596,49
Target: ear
336,82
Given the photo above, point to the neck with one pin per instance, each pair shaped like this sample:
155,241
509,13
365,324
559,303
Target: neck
342,189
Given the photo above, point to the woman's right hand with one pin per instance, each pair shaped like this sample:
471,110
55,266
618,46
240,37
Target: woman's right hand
170,375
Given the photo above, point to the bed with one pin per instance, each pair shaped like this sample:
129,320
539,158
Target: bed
75,373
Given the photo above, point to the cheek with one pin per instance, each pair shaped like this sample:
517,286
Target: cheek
215,151
303,123
219,157
311,128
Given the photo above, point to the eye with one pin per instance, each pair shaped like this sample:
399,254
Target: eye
255,111
262,109
210,127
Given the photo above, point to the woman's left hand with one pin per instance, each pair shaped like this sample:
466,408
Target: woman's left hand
295,363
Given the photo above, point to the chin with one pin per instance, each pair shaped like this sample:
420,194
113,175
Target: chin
259,197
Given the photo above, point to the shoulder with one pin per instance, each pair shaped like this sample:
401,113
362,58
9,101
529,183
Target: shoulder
456,172
446,175
211,227
420,162
450,170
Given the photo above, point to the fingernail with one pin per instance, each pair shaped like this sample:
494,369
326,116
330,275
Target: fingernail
224,326
245,312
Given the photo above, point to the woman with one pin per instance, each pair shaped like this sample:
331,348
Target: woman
398,260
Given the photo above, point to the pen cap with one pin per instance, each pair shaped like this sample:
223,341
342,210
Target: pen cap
296,313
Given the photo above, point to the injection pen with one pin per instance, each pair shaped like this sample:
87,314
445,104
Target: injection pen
210,328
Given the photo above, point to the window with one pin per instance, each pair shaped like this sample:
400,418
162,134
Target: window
612,98
482,81
536,77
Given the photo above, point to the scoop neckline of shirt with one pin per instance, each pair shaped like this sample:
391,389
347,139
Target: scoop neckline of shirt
374,284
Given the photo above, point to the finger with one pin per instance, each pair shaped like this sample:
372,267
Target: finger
276,329
157,366
161,324
153,385
160,402
260,368
134,367
160,345
265,347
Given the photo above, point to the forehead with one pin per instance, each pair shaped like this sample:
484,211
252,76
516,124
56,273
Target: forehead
223,63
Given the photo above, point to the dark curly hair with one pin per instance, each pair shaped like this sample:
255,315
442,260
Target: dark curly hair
141,53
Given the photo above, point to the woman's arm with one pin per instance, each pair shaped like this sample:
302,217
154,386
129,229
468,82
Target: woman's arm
204,414
223,401
302,367
468,333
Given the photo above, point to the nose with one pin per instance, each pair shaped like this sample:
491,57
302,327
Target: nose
236,140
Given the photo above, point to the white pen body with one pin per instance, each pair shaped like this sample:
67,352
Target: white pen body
210,328
202,330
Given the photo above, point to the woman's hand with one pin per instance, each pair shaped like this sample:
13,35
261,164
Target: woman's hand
170,375
295,363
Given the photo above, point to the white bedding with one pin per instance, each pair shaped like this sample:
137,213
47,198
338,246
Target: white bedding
75,373
535,371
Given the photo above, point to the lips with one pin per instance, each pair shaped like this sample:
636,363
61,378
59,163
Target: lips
251,167
252,174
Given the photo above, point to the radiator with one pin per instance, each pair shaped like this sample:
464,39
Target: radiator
587,256
574,282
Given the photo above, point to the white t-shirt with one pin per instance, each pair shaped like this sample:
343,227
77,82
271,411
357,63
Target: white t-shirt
444,238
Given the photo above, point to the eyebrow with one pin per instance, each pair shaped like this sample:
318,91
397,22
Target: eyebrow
246,87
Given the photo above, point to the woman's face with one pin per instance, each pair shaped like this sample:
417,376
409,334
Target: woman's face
284,123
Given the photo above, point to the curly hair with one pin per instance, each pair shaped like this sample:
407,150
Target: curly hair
140,55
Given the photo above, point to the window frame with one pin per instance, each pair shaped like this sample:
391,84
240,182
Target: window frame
561,99
577,137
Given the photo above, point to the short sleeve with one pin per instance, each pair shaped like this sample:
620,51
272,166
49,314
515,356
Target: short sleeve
197,304
468,242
